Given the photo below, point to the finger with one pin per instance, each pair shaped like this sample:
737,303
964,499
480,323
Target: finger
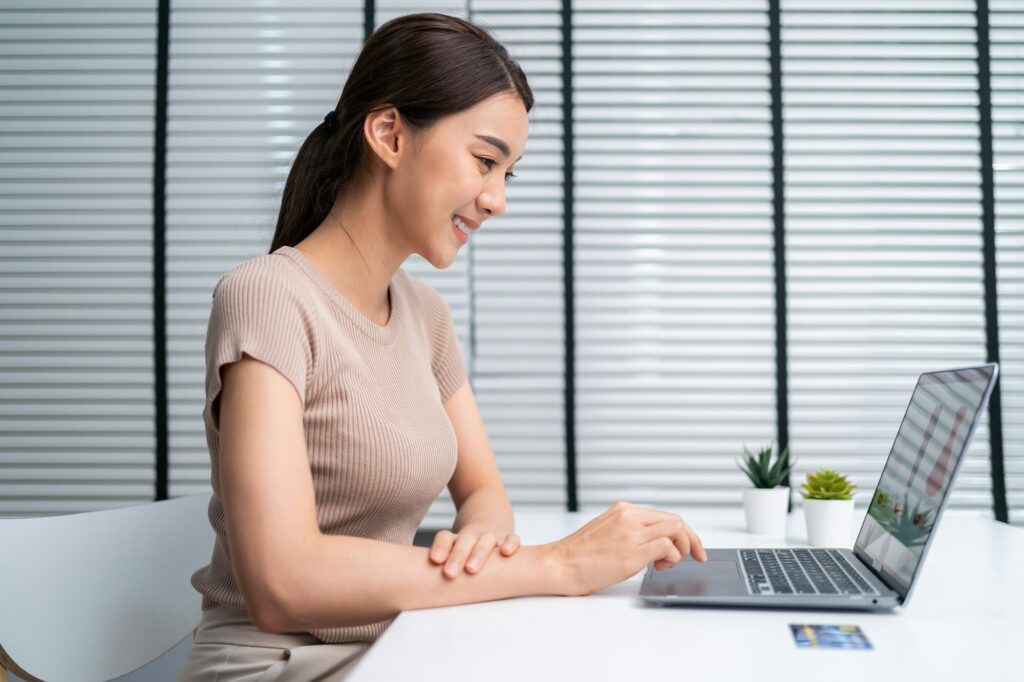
693,541
696,546
511,544
661,549
441,546
673,529
460,552
484,546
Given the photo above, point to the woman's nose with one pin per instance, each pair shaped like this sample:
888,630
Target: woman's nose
493,202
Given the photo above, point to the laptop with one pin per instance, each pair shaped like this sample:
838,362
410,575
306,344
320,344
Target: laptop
879,573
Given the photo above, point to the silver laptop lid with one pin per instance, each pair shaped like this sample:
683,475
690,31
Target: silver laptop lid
914,487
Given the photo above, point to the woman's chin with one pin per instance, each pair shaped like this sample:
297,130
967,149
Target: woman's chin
442,260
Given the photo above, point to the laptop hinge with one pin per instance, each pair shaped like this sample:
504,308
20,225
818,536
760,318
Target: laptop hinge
870,563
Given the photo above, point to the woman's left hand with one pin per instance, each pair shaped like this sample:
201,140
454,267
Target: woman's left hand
472,541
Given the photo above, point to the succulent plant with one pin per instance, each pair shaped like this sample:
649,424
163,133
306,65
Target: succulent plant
762,471
825,484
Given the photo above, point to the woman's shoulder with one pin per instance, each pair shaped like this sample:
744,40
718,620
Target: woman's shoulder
261,274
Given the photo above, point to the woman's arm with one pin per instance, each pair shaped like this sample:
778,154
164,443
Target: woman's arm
350,581
387,579
293,577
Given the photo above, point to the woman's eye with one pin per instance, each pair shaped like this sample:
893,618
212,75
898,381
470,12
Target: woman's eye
490,163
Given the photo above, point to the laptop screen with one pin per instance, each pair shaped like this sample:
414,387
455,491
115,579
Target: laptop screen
935,432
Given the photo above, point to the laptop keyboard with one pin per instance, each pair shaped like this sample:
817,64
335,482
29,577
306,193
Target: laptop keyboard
801,571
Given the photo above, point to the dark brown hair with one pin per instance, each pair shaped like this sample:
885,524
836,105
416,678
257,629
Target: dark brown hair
427,66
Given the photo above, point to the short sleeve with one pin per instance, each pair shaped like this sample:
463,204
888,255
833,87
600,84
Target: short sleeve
446,355
259,311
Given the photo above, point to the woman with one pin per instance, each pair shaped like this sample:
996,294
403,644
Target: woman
337,402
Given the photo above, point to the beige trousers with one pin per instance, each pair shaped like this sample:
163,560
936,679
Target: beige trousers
228,647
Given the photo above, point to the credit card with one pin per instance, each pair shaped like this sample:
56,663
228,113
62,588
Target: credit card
809,636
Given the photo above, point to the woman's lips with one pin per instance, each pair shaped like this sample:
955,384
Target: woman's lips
463,237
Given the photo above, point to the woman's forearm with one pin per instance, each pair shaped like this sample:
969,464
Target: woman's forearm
353,581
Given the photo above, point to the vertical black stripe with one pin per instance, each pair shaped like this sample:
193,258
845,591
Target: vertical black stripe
988,222
568,259
369,18
779,220
163,30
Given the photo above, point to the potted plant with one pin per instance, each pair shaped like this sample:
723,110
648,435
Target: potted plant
828,508
767,502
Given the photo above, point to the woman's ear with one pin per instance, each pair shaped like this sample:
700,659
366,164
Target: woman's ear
385,135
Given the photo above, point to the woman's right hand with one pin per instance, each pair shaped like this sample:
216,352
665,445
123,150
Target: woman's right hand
620,542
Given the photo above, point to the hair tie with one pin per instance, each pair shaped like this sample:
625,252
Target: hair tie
331,121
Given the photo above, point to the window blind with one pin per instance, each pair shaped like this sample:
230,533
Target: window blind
674,282
241,102
674,268
1006,35
883,224
76,232
247,85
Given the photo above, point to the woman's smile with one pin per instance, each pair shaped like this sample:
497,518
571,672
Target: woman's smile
461,229
462,236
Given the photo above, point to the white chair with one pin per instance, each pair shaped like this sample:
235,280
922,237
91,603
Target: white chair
94,596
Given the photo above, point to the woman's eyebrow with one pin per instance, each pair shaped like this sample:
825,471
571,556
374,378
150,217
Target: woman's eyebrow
499,144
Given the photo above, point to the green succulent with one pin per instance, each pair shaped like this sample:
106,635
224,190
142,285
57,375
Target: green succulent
762,471
825,484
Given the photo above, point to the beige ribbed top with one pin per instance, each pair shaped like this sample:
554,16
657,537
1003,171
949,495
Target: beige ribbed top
380,445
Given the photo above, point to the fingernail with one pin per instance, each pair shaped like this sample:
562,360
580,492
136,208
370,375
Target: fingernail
473,564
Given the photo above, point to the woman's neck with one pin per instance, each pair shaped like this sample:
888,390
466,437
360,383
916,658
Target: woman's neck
351,248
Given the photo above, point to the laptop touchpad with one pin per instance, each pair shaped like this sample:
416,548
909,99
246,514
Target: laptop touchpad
712,570
693,579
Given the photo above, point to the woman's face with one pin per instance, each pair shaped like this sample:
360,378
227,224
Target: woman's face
457,167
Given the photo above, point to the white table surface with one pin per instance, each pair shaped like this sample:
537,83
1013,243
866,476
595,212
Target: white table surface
964,621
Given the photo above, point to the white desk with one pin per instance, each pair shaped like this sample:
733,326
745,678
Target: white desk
976,634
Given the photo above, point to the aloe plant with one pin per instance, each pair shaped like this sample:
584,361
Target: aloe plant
762,470
825,484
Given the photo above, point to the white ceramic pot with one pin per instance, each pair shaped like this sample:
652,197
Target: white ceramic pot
766,510
829,522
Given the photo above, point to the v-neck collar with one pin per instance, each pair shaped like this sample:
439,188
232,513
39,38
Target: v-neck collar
384,334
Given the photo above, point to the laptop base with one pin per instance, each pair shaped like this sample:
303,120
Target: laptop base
721,581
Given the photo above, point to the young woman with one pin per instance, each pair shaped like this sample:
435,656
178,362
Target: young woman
337,402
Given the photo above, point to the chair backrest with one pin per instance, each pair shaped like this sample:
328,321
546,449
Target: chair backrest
97,595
